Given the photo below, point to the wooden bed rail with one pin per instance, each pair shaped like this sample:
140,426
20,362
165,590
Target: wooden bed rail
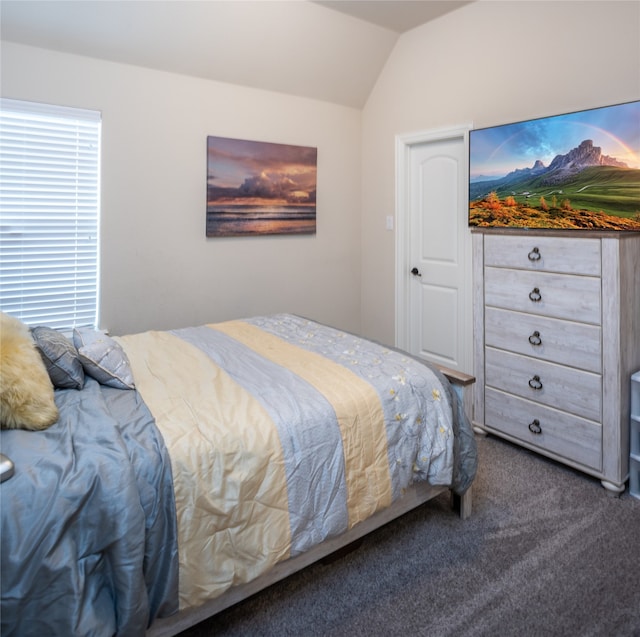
456,377
416,495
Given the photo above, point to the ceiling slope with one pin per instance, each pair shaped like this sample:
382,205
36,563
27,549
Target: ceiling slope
397,15
290,46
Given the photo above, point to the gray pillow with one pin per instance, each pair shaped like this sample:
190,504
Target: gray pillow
103,358
60,358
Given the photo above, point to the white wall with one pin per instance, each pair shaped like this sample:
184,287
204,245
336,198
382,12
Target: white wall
158,269
488,63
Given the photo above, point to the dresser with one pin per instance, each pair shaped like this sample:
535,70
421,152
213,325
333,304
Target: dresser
556,339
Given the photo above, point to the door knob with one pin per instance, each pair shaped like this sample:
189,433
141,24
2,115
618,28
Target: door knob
416,272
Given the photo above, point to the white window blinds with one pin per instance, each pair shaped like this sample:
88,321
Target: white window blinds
49,208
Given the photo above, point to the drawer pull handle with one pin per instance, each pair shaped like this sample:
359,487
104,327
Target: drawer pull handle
535,383
535,339
534,255
535,295
534,427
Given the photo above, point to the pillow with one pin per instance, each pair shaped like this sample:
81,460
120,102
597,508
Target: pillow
26,391
103,358
60,358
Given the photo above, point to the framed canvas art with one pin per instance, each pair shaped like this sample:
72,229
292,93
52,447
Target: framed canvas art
260,188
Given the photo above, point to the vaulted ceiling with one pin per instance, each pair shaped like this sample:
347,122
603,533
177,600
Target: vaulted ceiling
332,50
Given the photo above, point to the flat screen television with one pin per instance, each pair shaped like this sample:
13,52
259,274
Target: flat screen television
577,171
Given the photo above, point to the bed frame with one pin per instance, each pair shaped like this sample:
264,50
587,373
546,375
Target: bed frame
416,495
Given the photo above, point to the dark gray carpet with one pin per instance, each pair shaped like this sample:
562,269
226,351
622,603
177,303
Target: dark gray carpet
546,552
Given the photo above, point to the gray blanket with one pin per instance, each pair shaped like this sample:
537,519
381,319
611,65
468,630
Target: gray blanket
88,521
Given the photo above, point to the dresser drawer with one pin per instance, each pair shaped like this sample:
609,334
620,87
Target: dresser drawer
555,340
571,390
560,433
549,254
564,296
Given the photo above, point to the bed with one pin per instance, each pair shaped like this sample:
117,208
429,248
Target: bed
191,468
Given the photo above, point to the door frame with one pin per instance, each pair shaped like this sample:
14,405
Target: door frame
404,144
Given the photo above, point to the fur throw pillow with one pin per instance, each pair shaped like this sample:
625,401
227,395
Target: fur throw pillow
26,391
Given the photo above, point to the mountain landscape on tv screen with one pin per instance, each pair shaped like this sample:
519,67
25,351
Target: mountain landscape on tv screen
582,189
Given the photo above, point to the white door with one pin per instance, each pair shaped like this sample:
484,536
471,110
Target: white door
434,249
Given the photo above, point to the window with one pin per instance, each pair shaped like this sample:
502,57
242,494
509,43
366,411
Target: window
49,208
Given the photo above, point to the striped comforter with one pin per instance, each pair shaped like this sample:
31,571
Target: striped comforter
282,433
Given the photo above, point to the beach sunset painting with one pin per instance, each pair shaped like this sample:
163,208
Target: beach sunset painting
258,188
